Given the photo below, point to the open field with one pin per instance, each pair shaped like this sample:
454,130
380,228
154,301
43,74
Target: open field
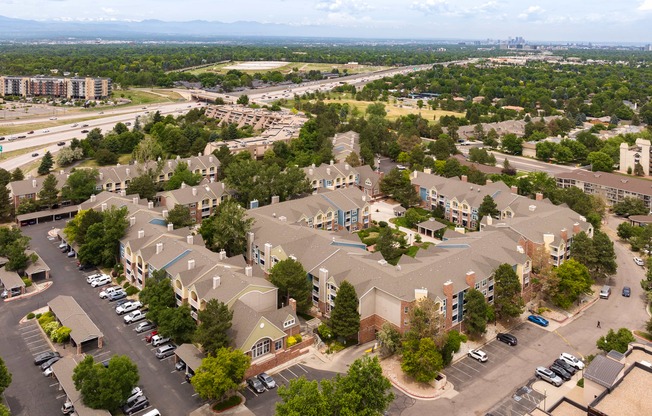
123,159
395,110
287,67
149,96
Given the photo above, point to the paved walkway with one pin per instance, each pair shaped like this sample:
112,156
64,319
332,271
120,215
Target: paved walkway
384,211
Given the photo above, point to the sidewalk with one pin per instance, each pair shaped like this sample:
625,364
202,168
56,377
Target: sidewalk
386,212
33,290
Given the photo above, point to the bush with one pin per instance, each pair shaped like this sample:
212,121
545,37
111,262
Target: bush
132,290
325,332
28,282
38,315
227,404
120,279
61,335
335,347
46,318
126,285
382,224
50,328
580,383
30,315
291,341
298,338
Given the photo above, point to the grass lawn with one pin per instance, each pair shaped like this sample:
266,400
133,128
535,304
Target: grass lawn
227,404
92,163
14,153
394,111
302,66
142,97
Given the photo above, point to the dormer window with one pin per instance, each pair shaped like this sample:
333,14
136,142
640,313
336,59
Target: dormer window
290,322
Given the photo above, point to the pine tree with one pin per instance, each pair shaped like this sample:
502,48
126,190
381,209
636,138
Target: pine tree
46,164
508,302
49,194
345,318
17,175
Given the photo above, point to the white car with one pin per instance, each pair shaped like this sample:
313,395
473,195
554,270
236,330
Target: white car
89,279
639,261
128,307
571,360
101,281
106,292
478,355
46,131
48,372
134,316
158,340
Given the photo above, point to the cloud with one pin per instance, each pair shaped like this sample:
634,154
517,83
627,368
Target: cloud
109,10
431,6
531,13
646,5
442,7
343,6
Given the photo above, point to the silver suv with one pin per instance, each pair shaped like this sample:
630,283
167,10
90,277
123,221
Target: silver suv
547,375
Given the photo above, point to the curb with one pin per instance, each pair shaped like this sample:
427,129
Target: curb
29,295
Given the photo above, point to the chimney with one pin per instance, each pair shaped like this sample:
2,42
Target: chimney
346,166
328,171
576,228
249,271
222,254
198,154
141,233
127,171
293,304
276,199
61,172
132,221
222,185
332,162
123,192
514,189
93,198
470,279
490,220
170,226
310,171
464,178
159,248
164,213
104,206
135,200
101,176
448,290
191,264
539,196
33,183
183,185
189,163
216,282
564,234
312,166
189,239
170,164
150,204
194,191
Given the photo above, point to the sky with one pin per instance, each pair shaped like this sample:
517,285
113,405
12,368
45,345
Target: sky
554,20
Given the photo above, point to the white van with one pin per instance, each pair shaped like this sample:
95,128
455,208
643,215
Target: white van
605,292
154,412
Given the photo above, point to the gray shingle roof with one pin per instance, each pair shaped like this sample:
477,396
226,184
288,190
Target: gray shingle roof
611,180
71,315
603,370
190,355
10,279
63,371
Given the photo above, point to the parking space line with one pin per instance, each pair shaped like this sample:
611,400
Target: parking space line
292,372
249,388
34,342
61,396
39,352
55,384
283,377
466,365
194,395
304,370
453,376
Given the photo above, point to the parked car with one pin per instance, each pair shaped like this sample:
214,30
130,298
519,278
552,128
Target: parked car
41,358
561,372
61,143
14,291
539,320
563,364
165,351
90,278
255,385
128,307
134,316
48,372
139,404
101,281
83,267
144,326
49,362
117,296
547,375
180,366
267,381
478,355
151,335
106,292
67,408
627,291
135,393
508,339
605,292
639,261
159,340
71,253
570,359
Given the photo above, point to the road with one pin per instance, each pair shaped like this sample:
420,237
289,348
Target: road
65,133
520,163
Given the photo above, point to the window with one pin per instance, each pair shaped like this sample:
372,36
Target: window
406,310
261,348
289,323
406,322
477,285
484,283
278,345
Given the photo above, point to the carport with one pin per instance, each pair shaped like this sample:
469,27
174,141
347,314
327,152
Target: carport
430,227
190,355
71,315
11,281
63,370
36,269
47,216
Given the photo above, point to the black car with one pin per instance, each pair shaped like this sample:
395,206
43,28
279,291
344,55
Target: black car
627,291
48,363
84,131
41,358
61,144
255,385
565,375
563,364
83,267
508,339
138,405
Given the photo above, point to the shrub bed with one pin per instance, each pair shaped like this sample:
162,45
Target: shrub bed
227,404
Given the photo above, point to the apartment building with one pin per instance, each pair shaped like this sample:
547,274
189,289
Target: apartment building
39,86
201,200
638,154
342,175
342,209
611,187
344,144
117,178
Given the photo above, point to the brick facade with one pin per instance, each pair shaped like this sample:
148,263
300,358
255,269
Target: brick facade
280,358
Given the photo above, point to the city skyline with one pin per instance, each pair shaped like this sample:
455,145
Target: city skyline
553,20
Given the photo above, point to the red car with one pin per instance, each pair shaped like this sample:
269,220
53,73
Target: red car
148,338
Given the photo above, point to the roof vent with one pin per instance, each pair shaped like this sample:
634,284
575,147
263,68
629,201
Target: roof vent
382,262
532,208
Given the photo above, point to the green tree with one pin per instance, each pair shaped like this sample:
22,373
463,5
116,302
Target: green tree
180,216
508,302
630,206
4,411
354,160
597,254
618,341
600,161
67,156
215,320
425,320
475,317
422,361
6,204
157,294
512,144
5,177
292,281
80,185
227,228
345,318
304,398
46,164
243,99
147,150
17,175
389,339
182,175
220,375
488,207
398,185
573,280
49,193
105,157
389,245
102,243
638,170
177,324
105,387
5,376
76,229
451,344
143,186
15,253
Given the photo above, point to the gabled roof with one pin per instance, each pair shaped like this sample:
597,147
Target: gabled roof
10,280
63,371
611,180
250,326
190,355
603,371
70,314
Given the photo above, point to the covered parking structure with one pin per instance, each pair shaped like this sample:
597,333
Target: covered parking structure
63,370
190,355
12,282
71,315
430,227
47,216
36,269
